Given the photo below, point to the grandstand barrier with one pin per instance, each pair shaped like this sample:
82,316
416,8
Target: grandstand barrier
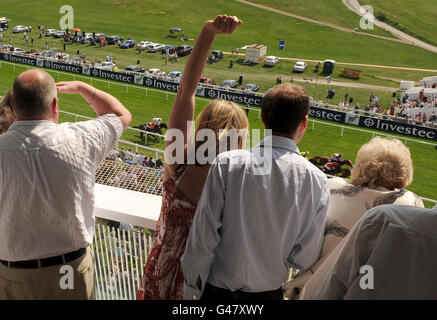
121,251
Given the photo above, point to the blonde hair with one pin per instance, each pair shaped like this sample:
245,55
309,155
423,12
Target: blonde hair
221,116
7,117
383,162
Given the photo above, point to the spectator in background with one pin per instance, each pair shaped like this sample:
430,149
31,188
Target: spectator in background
7,116
135,158
142,158
128,154
151,163
240,79
398,243
122,153
159,164
382,171
128,160
58,186
182,182
239,245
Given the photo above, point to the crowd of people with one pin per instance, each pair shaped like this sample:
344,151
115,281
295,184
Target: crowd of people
230,227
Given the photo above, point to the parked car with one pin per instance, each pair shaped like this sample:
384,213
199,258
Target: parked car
18,29
18,51
143,45
174,74
114,39
88,36
49,32
157,72
63,56
58,34
171,49
105,66
128,44
135,68
207,81
154,47
184,50
300,66
230,84
271,61
218,54
251,87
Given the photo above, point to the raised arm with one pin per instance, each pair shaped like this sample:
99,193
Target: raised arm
183,107
101,102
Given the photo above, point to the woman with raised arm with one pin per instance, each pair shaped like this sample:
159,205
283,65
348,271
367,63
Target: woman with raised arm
183,182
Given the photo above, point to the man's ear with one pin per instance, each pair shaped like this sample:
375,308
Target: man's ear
14,111
304,124
55,105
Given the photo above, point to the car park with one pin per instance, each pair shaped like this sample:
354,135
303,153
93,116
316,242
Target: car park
143,45
154,47
134,68
62,56
230,84
18,51
207,81
114,39
184,50
128,44
251,87
18,29
4,23
300,66
271,61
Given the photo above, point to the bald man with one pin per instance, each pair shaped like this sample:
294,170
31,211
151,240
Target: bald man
46,189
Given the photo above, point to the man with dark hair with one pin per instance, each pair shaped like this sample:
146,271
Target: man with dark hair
46,232
260,209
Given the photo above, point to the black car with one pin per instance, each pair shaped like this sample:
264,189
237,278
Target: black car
251,87
135,68
218,54
171,49
114,39
184,50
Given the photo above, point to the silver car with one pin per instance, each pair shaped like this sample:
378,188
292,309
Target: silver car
18,29
271,61
300,66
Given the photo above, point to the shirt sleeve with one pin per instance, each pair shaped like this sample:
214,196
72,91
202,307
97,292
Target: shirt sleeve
204,234
102,135
309,243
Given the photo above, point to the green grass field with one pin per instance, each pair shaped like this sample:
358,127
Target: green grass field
415,17
323,140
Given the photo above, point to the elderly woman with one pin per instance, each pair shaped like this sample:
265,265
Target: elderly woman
382,170
7,117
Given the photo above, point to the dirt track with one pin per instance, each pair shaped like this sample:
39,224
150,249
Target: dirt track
355,6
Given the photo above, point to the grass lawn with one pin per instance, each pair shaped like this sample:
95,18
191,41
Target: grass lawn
150,20
332,11
323,140
415,17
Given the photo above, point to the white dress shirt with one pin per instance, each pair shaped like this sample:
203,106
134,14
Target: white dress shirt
248,225
399,243
47,185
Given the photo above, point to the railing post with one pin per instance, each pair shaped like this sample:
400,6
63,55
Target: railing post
342,130
313,124
145,139
58,75
146,92
136,148
75,120
127,88
108,84
166,96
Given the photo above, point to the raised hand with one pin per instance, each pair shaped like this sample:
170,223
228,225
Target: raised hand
70,87
223,24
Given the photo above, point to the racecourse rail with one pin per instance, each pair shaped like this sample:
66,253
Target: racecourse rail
329,113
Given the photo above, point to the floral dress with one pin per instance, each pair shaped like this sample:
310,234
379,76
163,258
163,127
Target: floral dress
163,278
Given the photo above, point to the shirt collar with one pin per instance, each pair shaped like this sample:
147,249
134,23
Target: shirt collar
31,123
279,142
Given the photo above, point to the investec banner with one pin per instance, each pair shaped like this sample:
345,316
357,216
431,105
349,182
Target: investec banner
160,84
373,123
59,66
397,127
110,75
242,98
18,59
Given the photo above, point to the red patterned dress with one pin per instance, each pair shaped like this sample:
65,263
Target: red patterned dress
163,278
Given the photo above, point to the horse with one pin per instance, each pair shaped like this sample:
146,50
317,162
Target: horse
321,161
155,129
